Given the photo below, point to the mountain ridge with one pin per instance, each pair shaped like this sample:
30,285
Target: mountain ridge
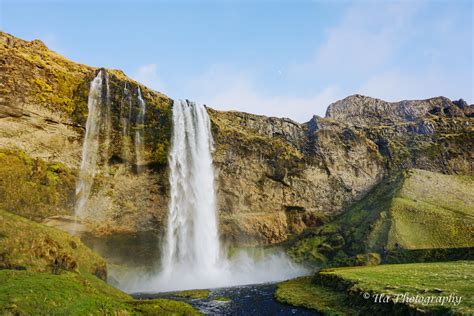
11,40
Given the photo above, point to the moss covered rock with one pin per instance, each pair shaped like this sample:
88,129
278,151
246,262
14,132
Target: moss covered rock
34,188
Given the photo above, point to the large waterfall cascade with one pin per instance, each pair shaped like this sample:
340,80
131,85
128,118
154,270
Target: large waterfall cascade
192,234
192,255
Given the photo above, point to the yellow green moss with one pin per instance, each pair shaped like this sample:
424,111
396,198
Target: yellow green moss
34,188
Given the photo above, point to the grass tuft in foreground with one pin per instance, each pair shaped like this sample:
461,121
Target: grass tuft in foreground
192,294
302,292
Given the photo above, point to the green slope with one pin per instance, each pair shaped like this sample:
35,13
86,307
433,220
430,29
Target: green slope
35,247
433,211
45,271
417,210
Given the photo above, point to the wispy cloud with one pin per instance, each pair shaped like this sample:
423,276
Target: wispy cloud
364,42
148,75
354,48
226,88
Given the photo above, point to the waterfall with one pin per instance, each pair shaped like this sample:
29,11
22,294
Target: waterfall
192,237
192,257
90,146
125,115
108,120
139,131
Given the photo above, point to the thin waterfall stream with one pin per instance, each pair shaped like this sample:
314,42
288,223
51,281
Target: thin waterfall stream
90,146
98,133
139,131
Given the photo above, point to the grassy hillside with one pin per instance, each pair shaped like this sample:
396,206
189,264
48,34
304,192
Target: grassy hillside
346,290
44,271
417,210
28,245
34,188
433,211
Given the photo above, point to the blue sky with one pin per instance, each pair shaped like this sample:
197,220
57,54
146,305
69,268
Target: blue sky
280,58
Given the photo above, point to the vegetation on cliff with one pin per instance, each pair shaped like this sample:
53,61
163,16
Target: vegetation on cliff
34,188
43,115
34,247
416,210
38,78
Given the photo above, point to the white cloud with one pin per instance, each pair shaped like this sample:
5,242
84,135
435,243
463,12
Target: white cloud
396,86
148,75
225,88
352,48
362,42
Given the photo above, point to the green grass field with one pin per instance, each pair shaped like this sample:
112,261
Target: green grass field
341,290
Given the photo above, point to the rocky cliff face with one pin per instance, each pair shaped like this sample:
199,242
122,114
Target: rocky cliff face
43,111
278,177
275,176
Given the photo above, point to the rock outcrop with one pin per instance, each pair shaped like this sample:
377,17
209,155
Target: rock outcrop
362,110
276,177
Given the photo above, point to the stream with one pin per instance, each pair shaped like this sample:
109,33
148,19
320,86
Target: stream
243,300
